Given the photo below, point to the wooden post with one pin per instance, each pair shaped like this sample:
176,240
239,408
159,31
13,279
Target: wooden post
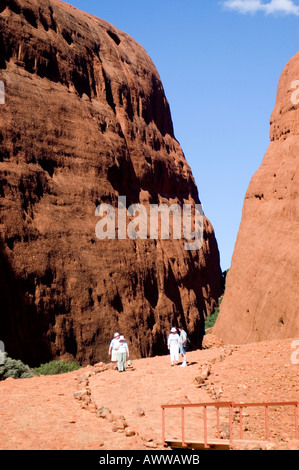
296,422
267,422
183,427
205,427
218,423
231,424
241,422
163,426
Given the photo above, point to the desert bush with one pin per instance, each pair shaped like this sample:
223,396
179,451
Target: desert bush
14,368
56,367
211,319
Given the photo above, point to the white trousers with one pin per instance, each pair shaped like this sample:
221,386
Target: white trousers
174,352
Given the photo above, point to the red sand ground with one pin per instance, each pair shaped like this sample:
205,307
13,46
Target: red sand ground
42,413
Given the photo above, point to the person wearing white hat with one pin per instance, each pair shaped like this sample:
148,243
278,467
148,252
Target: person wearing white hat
122,354
113,348
173,343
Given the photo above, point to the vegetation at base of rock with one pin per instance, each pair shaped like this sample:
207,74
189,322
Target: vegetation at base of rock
211,319
56,367
14,368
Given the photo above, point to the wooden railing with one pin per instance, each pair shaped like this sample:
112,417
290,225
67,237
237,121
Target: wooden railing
231,406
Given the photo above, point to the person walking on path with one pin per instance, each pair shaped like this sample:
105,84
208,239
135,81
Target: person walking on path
173,344
183,344
123,354
113,349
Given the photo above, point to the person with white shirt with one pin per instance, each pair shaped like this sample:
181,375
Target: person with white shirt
122,354
173,343
183,344
113,349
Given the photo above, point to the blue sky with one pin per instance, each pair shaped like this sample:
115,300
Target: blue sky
220,62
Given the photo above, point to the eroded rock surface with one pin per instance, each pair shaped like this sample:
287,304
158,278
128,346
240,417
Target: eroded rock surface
86,120
260,301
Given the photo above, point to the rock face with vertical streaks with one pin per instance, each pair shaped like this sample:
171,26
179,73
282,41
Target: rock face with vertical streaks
260,301
85,121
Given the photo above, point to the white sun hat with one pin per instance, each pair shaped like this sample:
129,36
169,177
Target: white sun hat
173,330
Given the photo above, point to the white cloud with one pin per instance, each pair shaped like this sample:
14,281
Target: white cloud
286,7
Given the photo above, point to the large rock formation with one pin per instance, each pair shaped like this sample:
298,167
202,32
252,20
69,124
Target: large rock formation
260,301
86,120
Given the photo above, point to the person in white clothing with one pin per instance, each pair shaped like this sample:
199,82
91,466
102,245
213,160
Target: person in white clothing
123,354
113,349
173,344
183,344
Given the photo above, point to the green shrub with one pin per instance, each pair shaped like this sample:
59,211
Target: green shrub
14,368
56,367
211,319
